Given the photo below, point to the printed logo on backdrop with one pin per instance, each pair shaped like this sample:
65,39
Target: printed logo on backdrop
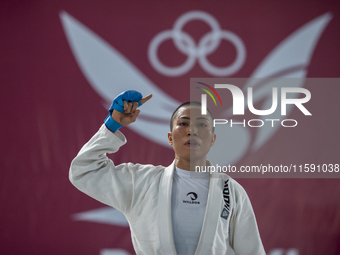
289,59
206,46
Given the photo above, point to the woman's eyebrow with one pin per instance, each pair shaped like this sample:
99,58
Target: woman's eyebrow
198,118
183,117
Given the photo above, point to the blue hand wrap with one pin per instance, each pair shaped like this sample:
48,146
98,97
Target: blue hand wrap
129,96
112,124
118,105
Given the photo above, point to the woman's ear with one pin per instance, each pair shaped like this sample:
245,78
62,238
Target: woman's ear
213,140
170,138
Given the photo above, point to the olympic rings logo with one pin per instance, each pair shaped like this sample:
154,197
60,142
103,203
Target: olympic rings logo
187,45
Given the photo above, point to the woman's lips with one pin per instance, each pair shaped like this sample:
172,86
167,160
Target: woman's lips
192,143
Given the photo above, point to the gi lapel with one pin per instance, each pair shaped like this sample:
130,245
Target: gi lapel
212,215
166,239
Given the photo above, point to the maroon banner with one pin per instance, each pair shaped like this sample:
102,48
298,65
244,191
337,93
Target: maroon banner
62,63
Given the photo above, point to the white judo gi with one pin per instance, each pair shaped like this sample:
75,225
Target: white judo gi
143,194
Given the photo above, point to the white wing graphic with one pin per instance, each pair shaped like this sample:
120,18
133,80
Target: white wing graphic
110,73
105,215
290,59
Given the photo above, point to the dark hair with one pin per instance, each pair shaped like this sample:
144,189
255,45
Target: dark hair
185,104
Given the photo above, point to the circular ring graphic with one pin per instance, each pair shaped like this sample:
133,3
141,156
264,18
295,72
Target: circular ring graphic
206,45
195,15
235,66
170,71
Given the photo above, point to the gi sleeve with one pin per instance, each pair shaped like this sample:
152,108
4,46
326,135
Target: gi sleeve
245,236
93,173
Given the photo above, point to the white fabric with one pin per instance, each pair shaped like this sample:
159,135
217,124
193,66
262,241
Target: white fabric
188,203
143,194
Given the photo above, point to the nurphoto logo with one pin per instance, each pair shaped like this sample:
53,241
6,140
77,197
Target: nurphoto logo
239,104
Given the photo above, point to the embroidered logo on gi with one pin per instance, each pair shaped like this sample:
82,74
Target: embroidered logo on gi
193,196
226,198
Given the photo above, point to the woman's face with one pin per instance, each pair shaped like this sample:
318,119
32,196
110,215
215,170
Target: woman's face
192,133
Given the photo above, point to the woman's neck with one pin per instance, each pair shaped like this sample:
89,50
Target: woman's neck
191,164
